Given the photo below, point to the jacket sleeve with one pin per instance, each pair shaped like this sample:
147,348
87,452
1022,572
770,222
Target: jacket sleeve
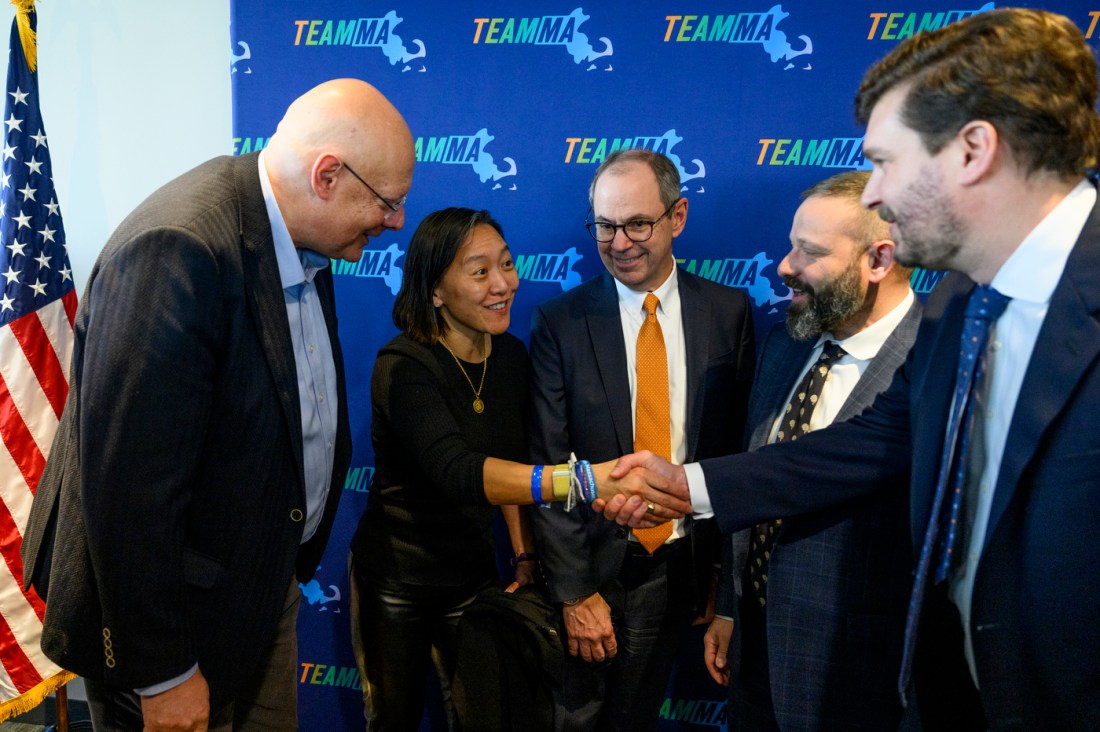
563,541
151,350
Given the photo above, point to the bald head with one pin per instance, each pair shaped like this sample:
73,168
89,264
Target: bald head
337,125
349,116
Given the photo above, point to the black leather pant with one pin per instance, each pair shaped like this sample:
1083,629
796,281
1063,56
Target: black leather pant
397,629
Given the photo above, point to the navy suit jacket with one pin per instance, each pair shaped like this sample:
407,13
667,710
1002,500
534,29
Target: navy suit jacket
839,579
1037,590
168,522
581,403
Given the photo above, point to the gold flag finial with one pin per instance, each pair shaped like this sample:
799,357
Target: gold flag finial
23,9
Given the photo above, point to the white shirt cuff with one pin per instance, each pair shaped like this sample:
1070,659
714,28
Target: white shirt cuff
697,488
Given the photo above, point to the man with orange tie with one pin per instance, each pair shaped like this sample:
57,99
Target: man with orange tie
646,356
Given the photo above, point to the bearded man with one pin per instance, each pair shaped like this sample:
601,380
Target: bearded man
811,608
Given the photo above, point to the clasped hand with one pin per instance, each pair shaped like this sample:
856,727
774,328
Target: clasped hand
643,490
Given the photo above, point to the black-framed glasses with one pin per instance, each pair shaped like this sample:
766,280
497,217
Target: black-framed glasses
637,230
393,206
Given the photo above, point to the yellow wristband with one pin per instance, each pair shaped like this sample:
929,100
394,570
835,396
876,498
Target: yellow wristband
561,481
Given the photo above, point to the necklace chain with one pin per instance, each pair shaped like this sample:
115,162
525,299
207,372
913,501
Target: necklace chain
479,406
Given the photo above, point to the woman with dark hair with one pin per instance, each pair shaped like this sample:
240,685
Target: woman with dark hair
447,393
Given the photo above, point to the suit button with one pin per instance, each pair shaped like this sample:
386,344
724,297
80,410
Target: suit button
296,515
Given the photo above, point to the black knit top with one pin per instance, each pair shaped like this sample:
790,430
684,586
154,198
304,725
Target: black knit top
427,520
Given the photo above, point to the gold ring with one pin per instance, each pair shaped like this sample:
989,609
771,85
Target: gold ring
651,508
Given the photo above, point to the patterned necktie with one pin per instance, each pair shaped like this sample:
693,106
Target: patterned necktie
794,423
983,308
652,428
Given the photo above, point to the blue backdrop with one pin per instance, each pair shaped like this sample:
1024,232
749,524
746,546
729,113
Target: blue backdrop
513,105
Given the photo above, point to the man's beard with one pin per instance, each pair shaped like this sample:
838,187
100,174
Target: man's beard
827,307
930,233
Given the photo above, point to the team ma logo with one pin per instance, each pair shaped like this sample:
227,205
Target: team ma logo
362,33
546,30
466,150
543,267
594,150
746,274
314,594
822,152
756,28
1094,15
702,712
923,280
375,263
237,58
899,26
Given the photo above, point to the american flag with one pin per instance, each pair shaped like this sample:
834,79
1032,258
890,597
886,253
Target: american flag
37,305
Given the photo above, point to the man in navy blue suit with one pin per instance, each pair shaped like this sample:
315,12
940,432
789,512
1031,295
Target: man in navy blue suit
626,605
814,639
982,135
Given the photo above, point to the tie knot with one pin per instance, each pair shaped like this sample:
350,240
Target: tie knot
650,304
986,303
831,352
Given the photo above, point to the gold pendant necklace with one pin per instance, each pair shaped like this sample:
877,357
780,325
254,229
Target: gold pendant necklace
479,406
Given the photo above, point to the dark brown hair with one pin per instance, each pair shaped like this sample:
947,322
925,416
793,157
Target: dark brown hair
1027,72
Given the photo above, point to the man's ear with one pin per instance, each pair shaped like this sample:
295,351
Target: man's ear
322,175
978,143
880,259
679,217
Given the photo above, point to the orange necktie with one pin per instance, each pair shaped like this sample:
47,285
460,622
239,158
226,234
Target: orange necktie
652,430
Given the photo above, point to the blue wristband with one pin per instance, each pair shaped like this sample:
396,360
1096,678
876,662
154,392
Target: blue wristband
536,485
591,474
587,479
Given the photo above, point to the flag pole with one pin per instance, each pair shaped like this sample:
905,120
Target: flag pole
61,699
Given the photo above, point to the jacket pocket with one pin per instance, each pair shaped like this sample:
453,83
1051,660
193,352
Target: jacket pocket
200,570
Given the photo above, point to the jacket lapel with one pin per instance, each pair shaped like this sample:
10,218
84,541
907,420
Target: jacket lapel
784,358
1068,344
696,319
930,395
605,331
265,298
880,371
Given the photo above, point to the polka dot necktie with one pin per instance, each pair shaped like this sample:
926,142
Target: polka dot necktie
794,423
943,531
652,423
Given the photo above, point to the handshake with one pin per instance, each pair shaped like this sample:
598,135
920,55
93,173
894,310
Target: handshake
641,490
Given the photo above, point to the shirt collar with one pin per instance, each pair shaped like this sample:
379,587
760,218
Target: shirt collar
866,344
1032,271
632,300
296,266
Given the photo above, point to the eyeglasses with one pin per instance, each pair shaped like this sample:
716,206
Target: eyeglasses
637,230
393,206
